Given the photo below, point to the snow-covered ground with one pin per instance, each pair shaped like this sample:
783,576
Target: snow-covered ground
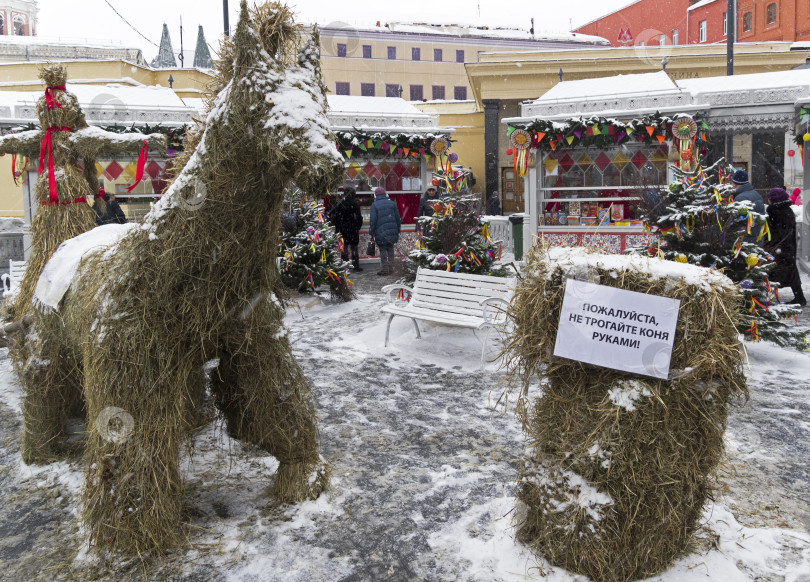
423,475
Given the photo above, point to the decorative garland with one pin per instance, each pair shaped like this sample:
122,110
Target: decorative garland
175,136
602,132
387,144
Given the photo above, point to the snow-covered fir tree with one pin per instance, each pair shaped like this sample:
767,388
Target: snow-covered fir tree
310,251
455,238
700,224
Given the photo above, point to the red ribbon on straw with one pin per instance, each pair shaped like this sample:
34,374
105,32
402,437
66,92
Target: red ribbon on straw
46,149
141,165
50,102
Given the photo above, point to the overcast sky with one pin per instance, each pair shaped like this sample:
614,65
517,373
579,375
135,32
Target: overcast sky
96,19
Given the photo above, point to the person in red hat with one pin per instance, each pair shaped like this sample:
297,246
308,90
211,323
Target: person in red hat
796,197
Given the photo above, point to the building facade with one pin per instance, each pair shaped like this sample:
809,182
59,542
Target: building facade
18,17
678,22
421,62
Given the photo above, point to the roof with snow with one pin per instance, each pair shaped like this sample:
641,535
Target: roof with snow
105,105
473,31
700,4
369,114
739,102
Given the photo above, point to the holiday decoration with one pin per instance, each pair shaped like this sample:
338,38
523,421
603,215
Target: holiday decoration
618,467
603,132
128,337
521,142
698,220
439,148
310,250
456,239
685,129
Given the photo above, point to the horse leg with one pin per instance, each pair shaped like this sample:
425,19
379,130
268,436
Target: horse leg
266,401
51,379
136,408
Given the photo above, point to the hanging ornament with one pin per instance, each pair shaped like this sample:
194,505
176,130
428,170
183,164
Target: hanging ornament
521,140
685,129
439,148
806,137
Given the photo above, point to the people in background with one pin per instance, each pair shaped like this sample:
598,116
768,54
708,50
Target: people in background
744,191
782,224
348,219
384,227
108,211
431,197
796,196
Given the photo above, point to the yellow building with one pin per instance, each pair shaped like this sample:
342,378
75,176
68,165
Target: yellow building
421,62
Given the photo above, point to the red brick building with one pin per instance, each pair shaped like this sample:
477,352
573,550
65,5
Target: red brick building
677,22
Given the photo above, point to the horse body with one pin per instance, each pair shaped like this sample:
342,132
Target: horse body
193,283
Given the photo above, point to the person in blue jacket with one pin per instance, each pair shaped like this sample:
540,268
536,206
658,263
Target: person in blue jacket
385,224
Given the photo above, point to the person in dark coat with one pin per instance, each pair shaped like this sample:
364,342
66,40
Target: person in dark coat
348,219
384,227
111,213
744,192
782,224
430,197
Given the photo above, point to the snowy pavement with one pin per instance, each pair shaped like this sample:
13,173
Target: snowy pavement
423,475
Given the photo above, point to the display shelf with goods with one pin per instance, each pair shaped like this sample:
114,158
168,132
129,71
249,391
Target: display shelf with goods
591,196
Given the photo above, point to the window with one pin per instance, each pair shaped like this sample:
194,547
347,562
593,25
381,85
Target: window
367,89
2,25
702,31
341,88
366,51
460,93
392,53
19,25
771,11
416,54
437,55
675,39
662,40
438,91
416,92
459,56
725,23
748,21
393,90
341,50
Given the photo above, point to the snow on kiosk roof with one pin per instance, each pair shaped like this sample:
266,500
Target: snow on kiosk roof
387,114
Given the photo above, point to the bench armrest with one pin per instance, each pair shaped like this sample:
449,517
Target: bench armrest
6,282
494,310
389,291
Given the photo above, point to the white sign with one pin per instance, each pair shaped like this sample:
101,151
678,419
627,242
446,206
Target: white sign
618,329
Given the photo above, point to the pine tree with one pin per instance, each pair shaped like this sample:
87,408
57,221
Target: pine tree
700,225
456,239
310,251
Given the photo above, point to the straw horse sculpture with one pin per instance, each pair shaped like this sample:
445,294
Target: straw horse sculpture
191,285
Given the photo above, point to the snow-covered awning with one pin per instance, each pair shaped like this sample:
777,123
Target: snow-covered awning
105,105
383,114
730,103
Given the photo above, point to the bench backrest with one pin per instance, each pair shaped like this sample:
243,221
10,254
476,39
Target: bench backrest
458,293
16,270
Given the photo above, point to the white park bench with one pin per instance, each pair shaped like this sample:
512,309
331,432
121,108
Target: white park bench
477,302
11,280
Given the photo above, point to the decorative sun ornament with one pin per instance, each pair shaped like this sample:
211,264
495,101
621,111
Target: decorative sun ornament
520,139
439,146
684,127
